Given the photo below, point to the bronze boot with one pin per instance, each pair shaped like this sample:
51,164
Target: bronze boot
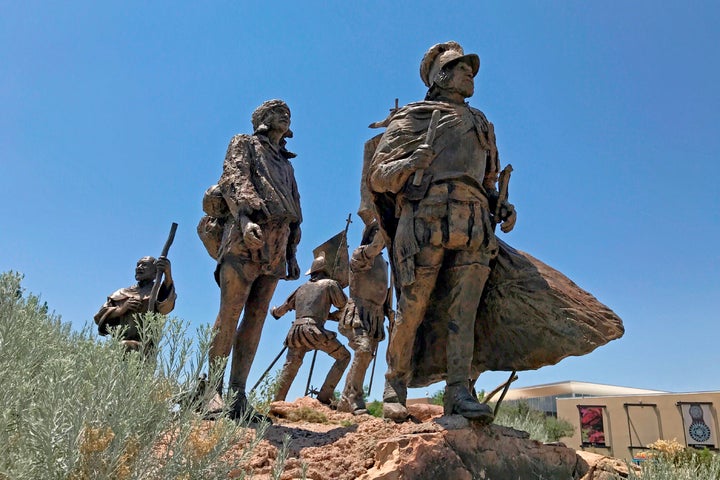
215,404
394,398
242,411
459,401
351,400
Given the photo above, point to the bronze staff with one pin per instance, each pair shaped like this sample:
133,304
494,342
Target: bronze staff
158,276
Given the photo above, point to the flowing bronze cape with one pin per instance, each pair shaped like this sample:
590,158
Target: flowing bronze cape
530,314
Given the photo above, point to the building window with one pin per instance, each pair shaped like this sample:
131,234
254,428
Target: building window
592,425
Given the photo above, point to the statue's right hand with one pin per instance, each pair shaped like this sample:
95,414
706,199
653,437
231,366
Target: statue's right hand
274,313
132,305
102,327
422,157
378,242
253,236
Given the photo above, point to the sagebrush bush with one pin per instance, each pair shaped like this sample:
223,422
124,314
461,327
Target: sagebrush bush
543,428
671,460
663,469
262,396
307,414
77,408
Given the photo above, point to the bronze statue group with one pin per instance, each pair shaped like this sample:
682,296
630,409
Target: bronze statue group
430,195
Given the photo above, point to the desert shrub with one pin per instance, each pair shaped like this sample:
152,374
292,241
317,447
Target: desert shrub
661,468
671,460
375,408
77,408
264,394
307,414
437,398
521,416
557,428
282,455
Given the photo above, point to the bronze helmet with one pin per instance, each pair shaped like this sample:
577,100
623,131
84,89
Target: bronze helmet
441,55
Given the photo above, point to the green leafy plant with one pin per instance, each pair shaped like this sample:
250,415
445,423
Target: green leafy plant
437,398
375,408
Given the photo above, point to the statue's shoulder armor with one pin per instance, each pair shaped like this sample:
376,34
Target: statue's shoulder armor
481,119
478,113
424,107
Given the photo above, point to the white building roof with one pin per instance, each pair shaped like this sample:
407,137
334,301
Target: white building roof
573,387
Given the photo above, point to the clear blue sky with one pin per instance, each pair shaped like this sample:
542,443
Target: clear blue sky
115,118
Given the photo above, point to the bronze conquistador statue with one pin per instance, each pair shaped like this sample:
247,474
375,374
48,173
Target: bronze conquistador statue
434,204
312,302
259,239
123,307
363,317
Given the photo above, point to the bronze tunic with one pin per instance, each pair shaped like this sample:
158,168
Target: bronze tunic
312,302
258,182
364,313
165,304
450,209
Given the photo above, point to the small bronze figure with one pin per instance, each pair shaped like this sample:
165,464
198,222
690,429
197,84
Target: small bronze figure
363,317
435,204
252,231
312,302
124,307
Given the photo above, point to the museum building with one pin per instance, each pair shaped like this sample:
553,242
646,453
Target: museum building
622,421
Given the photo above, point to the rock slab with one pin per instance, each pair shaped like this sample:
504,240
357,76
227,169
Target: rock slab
436,447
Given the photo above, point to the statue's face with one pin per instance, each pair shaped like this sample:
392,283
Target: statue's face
460,79
145,270
278,119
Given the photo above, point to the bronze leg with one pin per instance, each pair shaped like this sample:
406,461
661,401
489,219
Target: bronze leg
342,357
234,290
412,305
352,397
293,362
465,285
247,336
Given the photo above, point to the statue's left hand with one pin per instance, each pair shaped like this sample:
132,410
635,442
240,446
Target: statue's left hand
253,236
163,265
508,216
293,269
